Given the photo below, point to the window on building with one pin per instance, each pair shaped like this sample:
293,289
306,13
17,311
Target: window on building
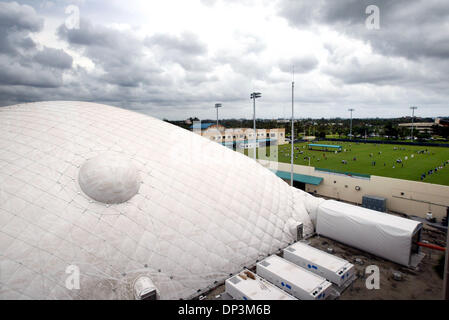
273,134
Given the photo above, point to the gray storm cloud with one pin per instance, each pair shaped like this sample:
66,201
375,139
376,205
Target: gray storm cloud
177,73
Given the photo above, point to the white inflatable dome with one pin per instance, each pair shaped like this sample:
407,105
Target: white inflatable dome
119,195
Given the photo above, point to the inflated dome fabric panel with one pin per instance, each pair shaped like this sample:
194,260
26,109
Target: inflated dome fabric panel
201,212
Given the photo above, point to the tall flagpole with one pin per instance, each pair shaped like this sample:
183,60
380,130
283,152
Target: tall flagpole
292,135
413,117
254,124
253,96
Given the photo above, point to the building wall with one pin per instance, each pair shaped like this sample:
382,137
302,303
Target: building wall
421,127
403,196
239,134
279,134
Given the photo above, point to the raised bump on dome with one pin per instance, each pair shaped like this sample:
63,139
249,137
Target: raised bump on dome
109,178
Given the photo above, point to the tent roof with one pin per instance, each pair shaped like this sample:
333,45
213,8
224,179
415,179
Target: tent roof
379,233
324,145
372,216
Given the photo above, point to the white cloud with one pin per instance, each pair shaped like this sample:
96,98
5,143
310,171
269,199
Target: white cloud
175,59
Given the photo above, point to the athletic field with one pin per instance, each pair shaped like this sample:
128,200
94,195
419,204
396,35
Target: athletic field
360,158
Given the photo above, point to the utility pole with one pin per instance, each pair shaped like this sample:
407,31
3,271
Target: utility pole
413,117
293,124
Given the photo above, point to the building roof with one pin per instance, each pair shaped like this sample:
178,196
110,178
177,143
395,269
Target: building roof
202,125
300,177
119,195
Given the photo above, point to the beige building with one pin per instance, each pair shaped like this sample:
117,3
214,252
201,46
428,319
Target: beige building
403,196
241,137
426,127
421,127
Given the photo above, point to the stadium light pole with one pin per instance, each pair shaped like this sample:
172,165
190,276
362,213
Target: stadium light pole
293,124
350,128
254,96
413,117
217,105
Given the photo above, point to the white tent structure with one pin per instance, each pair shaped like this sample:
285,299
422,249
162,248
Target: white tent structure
382,234
118,195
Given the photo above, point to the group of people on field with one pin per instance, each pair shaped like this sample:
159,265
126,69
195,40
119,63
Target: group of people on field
434,170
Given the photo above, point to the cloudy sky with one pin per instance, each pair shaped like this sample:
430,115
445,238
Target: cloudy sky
176,59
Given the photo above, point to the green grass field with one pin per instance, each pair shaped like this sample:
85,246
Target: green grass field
386,165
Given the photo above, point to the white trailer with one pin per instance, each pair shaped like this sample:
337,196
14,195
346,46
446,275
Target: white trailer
334,269
249,286
295,280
